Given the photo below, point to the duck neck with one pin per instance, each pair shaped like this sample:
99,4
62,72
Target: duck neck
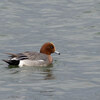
50,58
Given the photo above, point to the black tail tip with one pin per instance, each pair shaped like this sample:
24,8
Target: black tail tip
11,62
7,61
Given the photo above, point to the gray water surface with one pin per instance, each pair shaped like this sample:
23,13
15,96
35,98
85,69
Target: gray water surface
73,26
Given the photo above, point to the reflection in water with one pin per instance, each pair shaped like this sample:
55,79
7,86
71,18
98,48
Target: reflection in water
48,92
12,66
47,71
49,74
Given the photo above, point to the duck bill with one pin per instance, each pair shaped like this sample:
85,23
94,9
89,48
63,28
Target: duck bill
57,52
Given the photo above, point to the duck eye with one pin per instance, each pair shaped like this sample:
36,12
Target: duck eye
51,47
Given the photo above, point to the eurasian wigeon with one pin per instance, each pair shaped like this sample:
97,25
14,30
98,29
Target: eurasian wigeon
28,58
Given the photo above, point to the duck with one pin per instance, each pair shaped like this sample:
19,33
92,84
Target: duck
31,58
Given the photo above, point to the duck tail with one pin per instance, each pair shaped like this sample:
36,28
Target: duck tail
11,62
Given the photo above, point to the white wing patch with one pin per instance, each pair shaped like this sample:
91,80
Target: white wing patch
14,58
31,63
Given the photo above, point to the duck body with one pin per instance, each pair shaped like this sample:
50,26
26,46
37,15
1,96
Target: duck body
28,59
31,58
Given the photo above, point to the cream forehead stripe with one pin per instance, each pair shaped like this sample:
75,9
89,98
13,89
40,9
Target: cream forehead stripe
52,44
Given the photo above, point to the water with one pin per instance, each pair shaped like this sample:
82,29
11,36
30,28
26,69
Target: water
74,27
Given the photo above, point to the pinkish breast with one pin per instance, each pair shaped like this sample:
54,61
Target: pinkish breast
50,58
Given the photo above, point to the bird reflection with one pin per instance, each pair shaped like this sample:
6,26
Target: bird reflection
49,73
46,71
